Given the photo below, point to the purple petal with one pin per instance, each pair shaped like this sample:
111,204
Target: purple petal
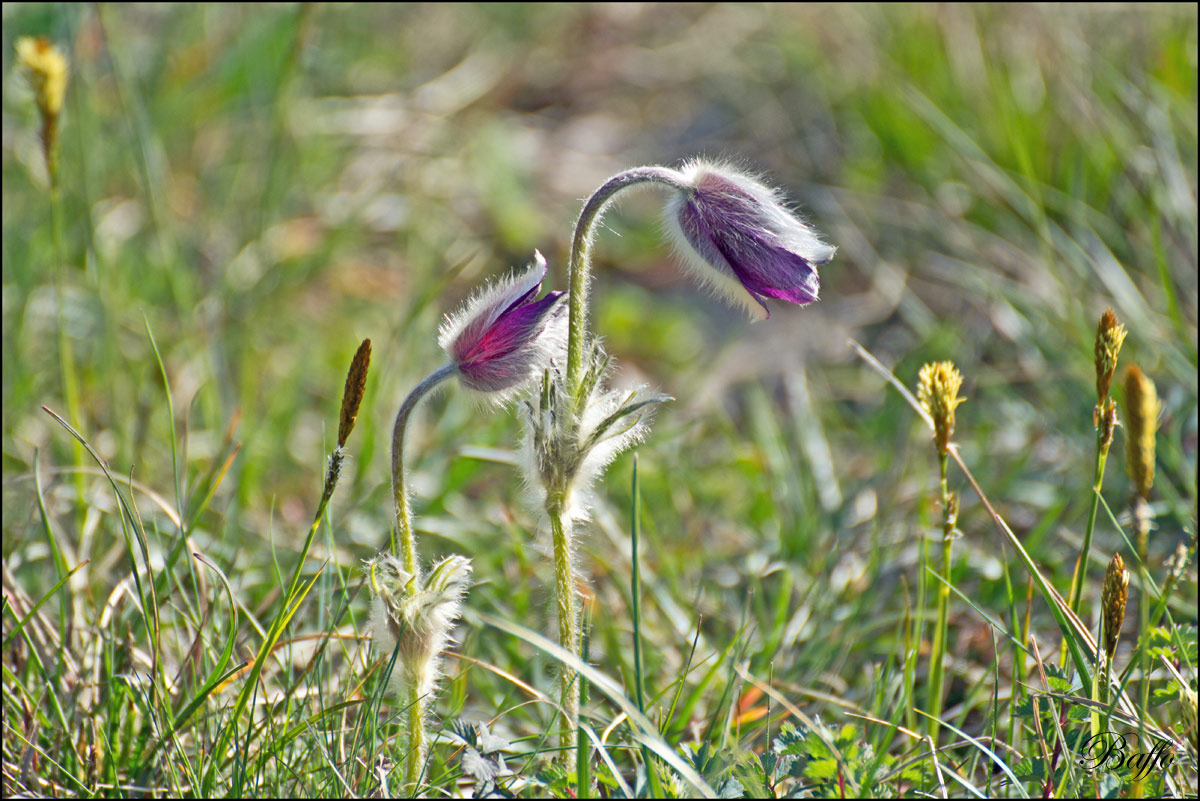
503,300
770,270
504,354
723,224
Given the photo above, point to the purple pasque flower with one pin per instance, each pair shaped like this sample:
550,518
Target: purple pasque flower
742,240
502,338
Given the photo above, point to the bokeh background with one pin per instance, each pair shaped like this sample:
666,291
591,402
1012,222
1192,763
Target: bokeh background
267,185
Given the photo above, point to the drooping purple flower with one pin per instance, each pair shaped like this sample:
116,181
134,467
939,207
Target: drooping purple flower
502,337
742,240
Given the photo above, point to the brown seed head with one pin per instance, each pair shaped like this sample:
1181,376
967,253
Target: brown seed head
937,390
1141,409
1109,337
1112,602
356,382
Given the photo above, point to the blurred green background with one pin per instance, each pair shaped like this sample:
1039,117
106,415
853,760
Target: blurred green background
270,184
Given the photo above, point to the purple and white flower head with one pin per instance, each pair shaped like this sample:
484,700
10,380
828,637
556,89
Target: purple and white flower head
502,338
739,237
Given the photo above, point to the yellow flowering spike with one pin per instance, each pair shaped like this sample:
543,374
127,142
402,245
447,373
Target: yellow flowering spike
1110,335
48,70
937,390
1141,409
1112,602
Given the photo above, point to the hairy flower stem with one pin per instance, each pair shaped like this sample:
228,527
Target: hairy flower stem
405,546
937,657
568,616
579,266
403,542
416,740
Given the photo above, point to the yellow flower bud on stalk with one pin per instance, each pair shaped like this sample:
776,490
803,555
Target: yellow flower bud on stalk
1110,335
48,70
937,391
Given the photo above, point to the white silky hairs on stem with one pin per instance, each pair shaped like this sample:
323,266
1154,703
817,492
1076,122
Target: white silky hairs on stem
557,460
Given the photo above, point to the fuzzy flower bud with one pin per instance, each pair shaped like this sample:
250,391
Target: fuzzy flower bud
937,390
1112,602
1141,409
420,614
1110,335
502,338
740,238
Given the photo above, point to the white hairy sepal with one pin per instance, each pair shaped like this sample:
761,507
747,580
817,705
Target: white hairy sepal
621,436
581,461
422,612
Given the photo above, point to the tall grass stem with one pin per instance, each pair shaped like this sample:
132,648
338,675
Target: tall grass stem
66,354
1079,576
639,669
937,669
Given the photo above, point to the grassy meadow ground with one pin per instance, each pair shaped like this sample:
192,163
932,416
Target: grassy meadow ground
249,191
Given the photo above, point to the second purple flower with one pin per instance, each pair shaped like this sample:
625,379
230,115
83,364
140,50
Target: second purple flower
502,338
742,240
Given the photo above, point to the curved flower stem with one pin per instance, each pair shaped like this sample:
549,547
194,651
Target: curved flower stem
404,543
568,618
581,247
578,268
406,546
